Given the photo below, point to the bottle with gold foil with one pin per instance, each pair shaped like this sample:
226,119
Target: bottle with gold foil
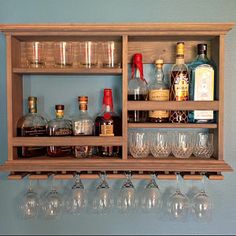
179,90
159,91
83,125
31,125
59,127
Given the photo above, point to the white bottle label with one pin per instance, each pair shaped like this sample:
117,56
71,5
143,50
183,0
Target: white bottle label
204,89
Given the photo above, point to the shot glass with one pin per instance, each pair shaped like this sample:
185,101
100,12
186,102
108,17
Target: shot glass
63,54
204,146
88,56
35,53
111,54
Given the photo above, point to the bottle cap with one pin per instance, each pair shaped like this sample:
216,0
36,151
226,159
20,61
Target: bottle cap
202,48
107,97
137,58
59,107
180,48
32,104
83,102
32,99
159,62
83,99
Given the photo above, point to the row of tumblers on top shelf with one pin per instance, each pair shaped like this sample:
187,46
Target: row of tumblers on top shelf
161,144
66,54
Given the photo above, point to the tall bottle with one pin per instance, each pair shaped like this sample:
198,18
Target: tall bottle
30,125
137,89
202,76
179,90
83,125
159,91
59,127
108,124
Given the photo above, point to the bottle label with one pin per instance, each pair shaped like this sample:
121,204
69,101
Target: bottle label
181,87
159,95
34,131
62,132
204,89
82,128
107,130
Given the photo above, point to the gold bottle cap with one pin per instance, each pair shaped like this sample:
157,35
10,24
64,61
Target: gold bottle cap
83,102
159,63
180,48
83,99
32,104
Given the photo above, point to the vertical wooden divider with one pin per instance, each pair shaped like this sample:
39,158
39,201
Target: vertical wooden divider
221,99
124,96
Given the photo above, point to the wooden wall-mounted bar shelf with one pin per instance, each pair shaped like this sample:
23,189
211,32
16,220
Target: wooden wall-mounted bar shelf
152,40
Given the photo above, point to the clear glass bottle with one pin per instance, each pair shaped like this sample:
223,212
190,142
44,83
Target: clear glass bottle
83,125
159,91
59,127
30,125
137,89
108,123
179,90
202,77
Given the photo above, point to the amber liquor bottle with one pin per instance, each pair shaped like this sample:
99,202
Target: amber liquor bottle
31,125
108,124
59,127
179,90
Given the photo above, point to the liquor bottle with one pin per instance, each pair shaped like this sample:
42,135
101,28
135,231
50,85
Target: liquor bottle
159,91
137,89
30,125
108,124
83,126
202,76
59,127
179,90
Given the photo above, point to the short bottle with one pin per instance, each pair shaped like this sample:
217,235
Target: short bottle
31,125
108,124
137,89
83,125
202,77
59,127
159,91
179,90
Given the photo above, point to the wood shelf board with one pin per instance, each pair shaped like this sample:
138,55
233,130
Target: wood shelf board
117,165
173,105
66,141
119,27
79,71
171,125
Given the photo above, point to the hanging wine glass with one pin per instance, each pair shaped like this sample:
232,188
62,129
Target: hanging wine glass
178,203
52,203
202,204
76,202
103,200
127,199
151,197
29,203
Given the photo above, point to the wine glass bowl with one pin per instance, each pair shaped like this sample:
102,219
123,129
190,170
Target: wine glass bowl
139,144
160,144
182,144
204,147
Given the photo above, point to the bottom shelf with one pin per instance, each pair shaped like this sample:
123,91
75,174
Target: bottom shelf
114,164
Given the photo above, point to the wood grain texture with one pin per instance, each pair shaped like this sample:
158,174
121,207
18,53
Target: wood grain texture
172,105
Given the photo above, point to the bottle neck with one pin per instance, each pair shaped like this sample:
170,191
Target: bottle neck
59,114
107,108
159,74
32,110
180,59
202,56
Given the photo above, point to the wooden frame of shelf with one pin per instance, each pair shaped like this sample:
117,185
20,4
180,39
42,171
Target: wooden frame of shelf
151,39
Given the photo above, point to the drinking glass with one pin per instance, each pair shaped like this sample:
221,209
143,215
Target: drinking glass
183,144
63,54
52,203
204,147
151,197
160,144
139,144
76,203
177,203
111,54
29,204
35,53
202,204
127,199
103,200
88,54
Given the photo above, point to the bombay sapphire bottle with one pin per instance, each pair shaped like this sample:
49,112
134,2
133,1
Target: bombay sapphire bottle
202,77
